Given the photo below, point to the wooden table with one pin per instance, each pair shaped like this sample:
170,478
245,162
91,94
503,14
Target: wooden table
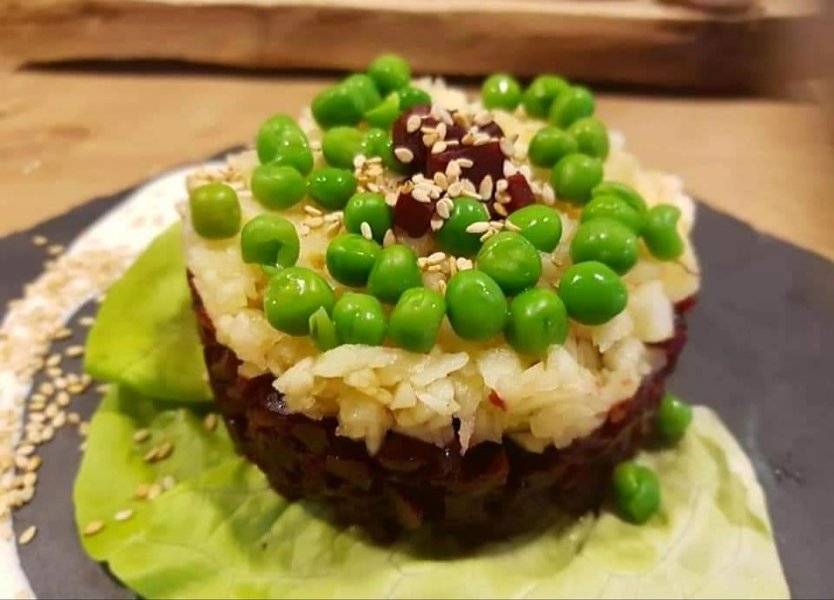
66,137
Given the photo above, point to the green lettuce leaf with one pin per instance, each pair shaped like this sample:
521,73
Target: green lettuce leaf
222,532
145,335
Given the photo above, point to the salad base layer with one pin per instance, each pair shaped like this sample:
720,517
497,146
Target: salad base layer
491,491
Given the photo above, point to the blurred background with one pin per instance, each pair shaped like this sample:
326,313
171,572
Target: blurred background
735,96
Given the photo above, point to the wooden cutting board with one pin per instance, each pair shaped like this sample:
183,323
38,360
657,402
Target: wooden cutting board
666,43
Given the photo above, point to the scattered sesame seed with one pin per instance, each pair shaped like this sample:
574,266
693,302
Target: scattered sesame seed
141,435
123,515
93,527
485,189
62,334
141,491
74,418
74,351
55,249
478,227
332,228
413,123
168,482
312,210
53,360
466,163
154,491
391,199
210,422
548,196
436,258
165,450
436,224
34,464
86,321
507,147
444,208
421,194
438,147
500,209
366,231
26,450
434,268
510,226
39,240
509,169
27,535
403,154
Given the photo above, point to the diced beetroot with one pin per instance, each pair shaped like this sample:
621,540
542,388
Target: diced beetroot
520,193
493,129
414,140
412,216
487,160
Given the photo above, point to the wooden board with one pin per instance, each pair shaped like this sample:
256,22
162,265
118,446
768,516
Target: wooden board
643,42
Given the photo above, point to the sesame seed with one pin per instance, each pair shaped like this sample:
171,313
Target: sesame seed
48,433
489,233
165,450
455,189
436,224
403,154
168,482
210,422
150,455
53,360
93,527
507,147
55,249
429,139
444,208
438,147
464,263
510,226
60,383
421,194
548,196
54,372
332,228
485,189
434,268
391,199
436,258
123,515
141,491
62,399
34,464
30,479
481,139
441,130
74,418
500,209
27,535
314,222
509,169
441,180
359,161
483,118
26,450
477,227
466,163
154,491
413,123
333,217
390,238
453,170
501,185
312,210
51,410
39,240
303,230
86,321
141,435
366,231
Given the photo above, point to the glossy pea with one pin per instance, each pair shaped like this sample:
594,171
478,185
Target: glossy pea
359,319
277,187
475,304
452,237
592,292
269,239
541,93
540,224
660,232
370,208
322,330
215,211
501,91
281,141
673,418
592,137
606,241
350,258
537,320
416,319
607,206
412,96
395,270
571,105
574,176
385,113
292,296
624,192
390,72
636,491
365,88
511,260
341,144
331,187
550,145
337,105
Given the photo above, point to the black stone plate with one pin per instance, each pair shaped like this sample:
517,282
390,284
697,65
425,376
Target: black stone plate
761,338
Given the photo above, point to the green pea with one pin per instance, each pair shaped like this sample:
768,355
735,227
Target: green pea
341,144
475,304
612,207
370,208
622,191
593,294
215,211
281,141
571,105
292,296
359,319
550,145
452,237
511,260
537,321
606,241
277,187
501,91
540,224
636,492
322,330
269,239
540,94
395,270
390,72
385,113
673,418
365,88
350,258
592,136
412,96
575,176
416,319
331,187
337,105
660,232
378,143
297,156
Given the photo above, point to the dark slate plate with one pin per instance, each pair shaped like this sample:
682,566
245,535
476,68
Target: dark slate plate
760,336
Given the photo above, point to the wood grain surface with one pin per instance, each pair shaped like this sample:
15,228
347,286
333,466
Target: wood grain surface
667,43
66,137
